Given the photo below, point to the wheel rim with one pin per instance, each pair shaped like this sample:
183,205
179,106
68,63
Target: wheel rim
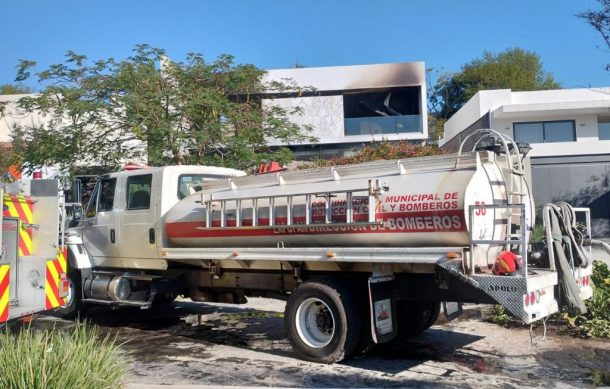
70,296
315,323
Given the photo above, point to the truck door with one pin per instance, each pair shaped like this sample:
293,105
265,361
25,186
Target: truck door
100,221
138,220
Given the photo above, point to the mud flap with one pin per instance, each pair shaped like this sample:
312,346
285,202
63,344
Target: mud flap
452,310
382,309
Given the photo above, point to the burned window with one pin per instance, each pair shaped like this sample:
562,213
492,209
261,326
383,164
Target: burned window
382,111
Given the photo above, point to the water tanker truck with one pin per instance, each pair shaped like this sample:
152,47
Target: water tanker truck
362,254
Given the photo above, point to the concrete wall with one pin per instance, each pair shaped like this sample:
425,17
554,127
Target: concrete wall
13,116
481,103
323,113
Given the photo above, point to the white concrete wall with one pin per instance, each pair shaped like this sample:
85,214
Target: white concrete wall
13,116
561,95
323,113
481,103
337,78
587,141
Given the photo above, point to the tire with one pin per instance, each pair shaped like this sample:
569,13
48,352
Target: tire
74,307
164,299
323,322
414,317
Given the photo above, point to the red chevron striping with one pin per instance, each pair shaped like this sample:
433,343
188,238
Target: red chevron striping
4,283
58,267
17,205
52,284
47,303
24,248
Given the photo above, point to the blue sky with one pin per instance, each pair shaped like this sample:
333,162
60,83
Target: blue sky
276,34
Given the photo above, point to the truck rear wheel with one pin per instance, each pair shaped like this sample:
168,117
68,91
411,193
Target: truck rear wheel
414,317
322,322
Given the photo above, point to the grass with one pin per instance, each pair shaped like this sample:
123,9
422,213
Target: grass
54,359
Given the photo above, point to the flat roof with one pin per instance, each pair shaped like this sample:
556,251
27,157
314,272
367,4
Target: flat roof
353,77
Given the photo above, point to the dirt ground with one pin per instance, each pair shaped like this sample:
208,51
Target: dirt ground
220,345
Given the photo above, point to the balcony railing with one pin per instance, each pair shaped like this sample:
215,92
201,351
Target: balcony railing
379,125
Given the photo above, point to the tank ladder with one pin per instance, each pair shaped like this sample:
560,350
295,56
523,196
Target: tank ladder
213,205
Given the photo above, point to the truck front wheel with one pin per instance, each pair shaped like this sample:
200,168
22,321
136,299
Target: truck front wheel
322,322
72,306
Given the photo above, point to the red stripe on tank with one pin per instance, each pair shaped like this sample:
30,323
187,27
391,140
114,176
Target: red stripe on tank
394,222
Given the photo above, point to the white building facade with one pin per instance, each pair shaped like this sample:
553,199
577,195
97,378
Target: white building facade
350,105
569,132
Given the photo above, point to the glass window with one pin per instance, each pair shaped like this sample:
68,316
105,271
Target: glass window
138,191
382,111
603,129
107,194
528,132
545,132
383,125
563,131
408,123
189,184
92,206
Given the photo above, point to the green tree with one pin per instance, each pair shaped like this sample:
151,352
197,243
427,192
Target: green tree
517,69
599,19
14,89
148,107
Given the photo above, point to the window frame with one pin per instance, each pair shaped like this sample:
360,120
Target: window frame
204,176
603,121
127,203
543,123
99,200
94,198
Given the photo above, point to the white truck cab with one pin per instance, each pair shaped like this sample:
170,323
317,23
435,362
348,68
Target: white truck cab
122,224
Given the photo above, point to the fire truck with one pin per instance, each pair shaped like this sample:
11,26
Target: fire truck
33,261
362,254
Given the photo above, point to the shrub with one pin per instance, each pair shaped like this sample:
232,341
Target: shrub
499,315
596,322
383,150
53,359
